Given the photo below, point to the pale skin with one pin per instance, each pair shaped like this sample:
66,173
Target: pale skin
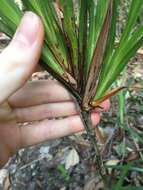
22,101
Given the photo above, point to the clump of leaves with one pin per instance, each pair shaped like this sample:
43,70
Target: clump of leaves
79,48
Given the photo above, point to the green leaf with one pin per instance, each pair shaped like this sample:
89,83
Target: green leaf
10,16
111,39
128,188
97,13
123,175
53,34
98,57
5,28
134,11
130,42
70,31
120,60
50,60
82,41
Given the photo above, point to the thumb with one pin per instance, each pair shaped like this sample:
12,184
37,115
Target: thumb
19,59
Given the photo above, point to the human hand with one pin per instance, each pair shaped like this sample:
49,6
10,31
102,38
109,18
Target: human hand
33,101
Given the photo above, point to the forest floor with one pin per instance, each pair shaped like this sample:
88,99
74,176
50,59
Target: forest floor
66,163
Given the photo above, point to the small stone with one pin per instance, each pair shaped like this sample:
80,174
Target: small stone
44,150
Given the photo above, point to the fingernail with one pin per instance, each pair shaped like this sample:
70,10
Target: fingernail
26,33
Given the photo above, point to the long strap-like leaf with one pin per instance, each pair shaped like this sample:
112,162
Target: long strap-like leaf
70,31
82,41
54,37
127,51
113,65
97,10
98,57
10,16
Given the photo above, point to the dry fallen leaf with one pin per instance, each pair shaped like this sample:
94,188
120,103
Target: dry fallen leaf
72,159
3,175
112,163
4,179
93,184
7,184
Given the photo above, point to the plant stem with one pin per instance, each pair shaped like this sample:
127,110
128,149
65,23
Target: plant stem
86,119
